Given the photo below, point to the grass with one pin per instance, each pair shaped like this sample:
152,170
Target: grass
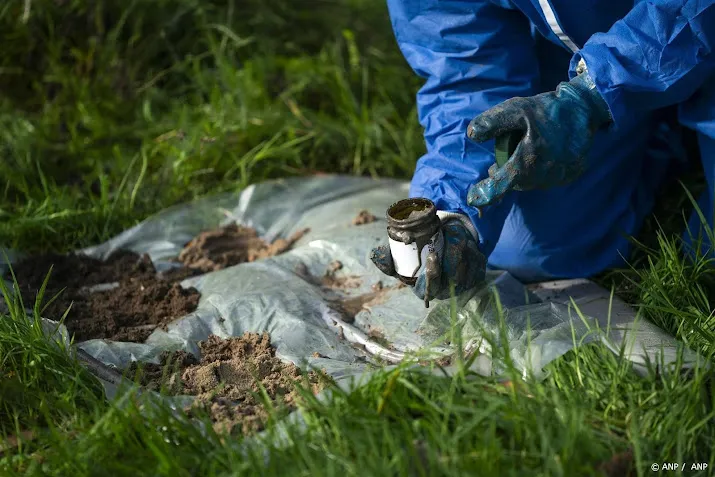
111,111
116,110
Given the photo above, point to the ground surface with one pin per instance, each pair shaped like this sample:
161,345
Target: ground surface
110,111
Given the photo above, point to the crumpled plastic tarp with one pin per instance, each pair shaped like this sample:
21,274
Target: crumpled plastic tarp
273,295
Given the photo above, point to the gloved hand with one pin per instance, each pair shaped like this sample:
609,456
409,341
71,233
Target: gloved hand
557,128
460,262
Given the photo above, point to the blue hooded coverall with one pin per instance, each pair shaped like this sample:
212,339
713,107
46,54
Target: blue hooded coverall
643,56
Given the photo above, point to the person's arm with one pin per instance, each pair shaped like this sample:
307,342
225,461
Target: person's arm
658,55
473,55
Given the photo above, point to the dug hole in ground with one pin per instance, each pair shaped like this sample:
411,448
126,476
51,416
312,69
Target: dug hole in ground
274,287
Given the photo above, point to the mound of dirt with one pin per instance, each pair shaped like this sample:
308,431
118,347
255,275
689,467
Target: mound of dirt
139,301
231,372
231,245
364,217
143,300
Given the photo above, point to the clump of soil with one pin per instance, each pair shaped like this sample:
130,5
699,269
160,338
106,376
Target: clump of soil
228,377
141,302
231,245
364,217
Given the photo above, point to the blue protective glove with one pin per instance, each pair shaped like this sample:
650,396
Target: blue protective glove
558,129
460,262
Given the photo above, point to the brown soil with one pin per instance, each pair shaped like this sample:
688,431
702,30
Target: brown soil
142,302
231,245
228,377
347,305
364,217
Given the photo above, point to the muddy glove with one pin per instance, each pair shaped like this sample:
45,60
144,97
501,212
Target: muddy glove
557,129
460,261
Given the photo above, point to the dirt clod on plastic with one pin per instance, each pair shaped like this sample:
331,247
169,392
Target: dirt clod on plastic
228,378
130,310
364,217
230,245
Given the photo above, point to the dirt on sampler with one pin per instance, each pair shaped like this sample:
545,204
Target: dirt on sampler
364,217
227,378
230,245
139,301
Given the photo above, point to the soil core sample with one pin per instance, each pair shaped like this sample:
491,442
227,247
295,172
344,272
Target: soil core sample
231,245
138,301
226,380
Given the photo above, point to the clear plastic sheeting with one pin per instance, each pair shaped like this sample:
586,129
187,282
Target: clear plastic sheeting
277,295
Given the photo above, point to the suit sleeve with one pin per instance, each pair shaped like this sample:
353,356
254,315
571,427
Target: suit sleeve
658,55
473,55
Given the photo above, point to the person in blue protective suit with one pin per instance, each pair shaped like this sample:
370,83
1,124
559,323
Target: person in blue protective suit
584,84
